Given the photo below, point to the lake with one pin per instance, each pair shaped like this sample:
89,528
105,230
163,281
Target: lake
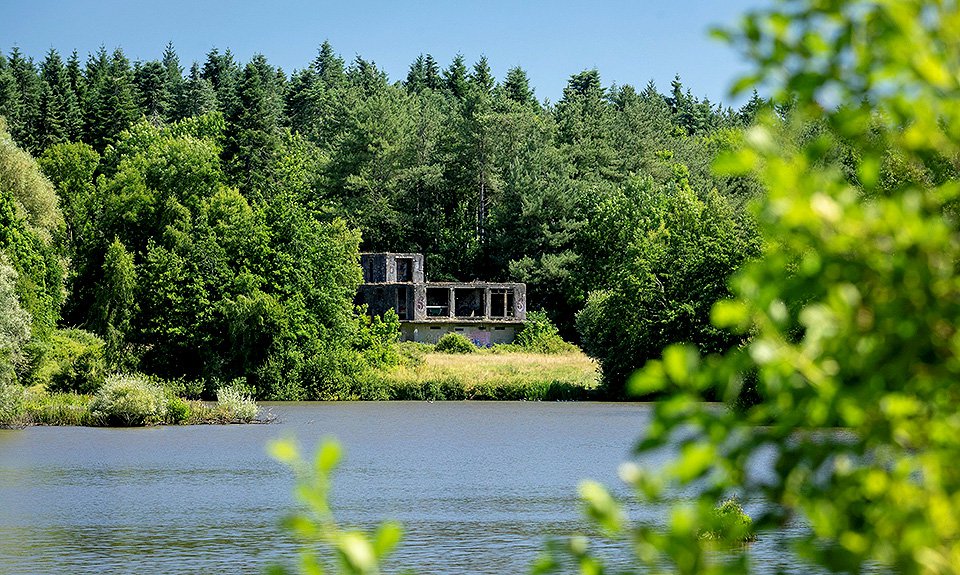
477,485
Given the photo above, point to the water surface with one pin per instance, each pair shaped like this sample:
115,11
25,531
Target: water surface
478,486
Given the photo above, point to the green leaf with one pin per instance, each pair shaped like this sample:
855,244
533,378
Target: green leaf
328,457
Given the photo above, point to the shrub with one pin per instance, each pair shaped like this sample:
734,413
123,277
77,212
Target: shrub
128,400
12,405
178,410
539,335
234,405
730,524
72,360
455,343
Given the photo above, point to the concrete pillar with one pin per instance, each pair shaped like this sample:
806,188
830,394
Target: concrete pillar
486,303
451,309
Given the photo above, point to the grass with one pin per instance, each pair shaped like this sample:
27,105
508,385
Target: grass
36,406
502,372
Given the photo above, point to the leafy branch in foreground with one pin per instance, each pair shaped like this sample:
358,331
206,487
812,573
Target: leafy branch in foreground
852,308
356,553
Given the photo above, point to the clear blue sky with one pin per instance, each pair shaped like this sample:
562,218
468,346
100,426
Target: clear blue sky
629,42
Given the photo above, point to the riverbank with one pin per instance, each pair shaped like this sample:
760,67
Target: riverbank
499,373
124,401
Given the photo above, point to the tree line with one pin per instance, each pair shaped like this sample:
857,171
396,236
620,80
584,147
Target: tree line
204,223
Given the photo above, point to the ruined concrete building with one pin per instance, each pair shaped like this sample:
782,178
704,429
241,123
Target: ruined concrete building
486,313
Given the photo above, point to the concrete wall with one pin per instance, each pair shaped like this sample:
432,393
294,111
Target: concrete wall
483,335
381,297
383,267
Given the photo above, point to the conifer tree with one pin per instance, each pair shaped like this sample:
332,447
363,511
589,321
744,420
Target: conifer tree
153,93
112,106
173,81
197,95
481,78
455,78
25,125
9,93
329,67
516,87
252,130
223,73
60,118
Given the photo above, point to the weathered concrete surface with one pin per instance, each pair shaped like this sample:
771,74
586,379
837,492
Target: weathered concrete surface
486,312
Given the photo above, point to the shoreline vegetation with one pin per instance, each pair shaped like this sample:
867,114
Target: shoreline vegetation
553,371
124,401
504,372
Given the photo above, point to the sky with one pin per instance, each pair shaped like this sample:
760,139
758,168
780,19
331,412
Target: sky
628,41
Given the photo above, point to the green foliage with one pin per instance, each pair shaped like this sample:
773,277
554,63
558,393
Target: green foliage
70,360
130,400
29,222
14,325
678,259
730,524
377,338
539,335
178,411
851,308
115,304
12,404
455,343
60,409
316,528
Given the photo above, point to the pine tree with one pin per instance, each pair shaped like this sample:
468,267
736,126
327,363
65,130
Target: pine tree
252,130
197,95
329,67
365,75
60,118
112,106
481,78
516,87
416,76
79,86
223,73
299,107
25,125
455,78
173,80
153,94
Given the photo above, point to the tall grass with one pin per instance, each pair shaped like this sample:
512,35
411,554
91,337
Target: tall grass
124,400
502,373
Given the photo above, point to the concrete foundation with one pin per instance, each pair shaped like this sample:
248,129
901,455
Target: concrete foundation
482,335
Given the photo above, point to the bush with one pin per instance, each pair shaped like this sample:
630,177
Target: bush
455,343
128,400
178,410
12,405
234,405
539,335
730,524
72,360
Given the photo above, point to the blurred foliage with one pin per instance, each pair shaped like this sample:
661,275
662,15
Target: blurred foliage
315,527
851,310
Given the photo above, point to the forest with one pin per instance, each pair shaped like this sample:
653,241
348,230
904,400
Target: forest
203,224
